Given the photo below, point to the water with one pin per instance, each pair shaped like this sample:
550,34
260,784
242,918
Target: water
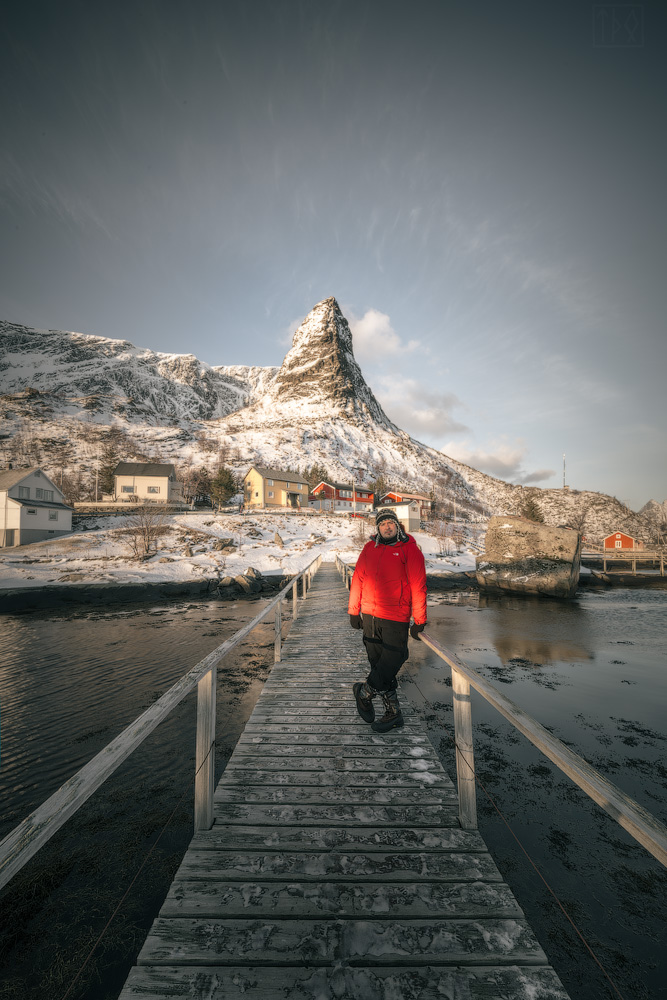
592,671
69,683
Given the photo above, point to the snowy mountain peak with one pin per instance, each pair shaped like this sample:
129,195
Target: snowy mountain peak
320,367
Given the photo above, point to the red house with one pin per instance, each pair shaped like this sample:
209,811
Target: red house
346,497
621,541
425,503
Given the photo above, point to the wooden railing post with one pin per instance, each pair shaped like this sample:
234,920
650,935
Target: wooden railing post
205,751
465,761
303,585
279,628
294,596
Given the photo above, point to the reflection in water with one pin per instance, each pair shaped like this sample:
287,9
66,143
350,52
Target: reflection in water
538,631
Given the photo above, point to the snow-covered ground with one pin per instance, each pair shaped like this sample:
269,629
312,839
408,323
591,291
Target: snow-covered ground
102,554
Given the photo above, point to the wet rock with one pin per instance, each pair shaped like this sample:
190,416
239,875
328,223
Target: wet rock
253,573
523,556
226,581
244,583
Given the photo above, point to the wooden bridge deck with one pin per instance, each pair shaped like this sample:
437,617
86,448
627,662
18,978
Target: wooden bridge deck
336,866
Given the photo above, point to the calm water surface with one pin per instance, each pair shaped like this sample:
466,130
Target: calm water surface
593,671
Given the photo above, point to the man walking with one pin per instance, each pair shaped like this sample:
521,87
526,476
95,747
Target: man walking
388,586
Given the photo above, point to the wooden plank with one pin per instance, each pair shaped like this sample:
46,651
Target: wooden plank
342,982
366,779
338,866
311,838
472,900
416,767
342,814
364,795
321,942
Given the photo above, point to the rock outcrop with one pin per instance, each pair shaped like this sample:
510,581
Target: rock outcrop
529,558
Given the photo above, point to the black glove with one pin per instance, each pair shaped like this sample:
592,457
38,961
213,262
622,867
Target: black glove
356,622
415,629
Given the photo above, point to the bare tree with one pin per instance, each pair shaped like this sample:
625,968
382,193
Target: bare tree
143,531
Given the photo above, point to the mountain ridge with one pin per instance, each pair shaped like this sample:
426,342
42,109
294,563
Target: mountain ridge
62,389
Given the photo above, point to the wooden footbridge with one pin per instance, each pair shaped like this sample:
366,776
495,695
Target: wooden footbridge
332,863
336,866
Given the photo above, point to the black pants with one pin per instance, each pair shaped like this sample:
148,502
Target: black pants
386,645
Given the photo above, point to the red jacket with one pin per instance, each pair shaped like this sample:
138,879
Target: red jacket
390,582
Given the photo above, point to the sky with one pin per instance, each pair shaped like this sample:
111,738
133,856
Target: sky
481,185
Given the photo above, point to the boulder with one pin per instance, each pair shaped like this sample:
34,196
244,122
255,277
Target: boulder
526,557
223,543
278,540
255,574
226,581
244,583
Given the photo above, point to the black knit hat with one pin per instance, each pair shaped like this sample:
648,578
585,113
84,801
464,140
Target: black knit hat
384,514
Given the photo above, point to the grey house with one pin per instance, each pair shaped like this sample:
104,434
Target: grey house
32,508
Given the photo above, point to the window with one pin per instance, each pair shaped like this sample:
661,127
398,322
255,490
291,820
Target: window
31,510
270,493
153,489
127,489
38,472
619,545
270,482
53,515
256,493
44,494
24,492
38,493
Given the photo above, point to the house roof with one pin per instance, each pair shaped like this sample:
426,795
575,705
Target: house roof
408,496
286,477
344,486
51,504
10,477
143,469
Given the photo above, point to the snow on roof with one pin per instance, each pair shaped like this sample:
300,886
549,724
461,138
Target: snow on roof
344,486
407,496
143,469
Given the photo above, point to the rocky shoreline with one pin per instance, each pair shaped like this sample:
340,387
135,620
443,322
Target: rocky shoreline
252,585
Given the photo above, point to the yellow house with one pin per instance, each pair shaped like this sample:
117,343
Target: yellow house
273,488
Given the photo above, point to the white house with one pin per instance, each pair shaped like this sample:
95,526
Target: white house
146,481
408,513
32,508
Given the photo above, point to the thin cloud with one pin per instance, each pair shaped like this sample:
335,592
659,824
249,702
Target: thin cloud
504,461
416,408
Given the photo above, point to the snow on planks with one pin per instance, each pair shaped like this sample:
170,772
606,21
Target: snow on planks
336,867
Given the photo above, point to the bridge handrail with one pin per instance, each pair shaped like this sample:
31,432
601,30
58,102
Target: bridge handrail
639,823
29,836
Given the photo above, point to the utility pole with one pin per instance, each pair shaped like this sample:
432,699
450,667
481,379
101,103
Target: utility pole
97,472
563,470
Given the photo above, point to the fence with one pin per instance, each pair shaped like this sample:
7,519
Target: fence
29,836
638,822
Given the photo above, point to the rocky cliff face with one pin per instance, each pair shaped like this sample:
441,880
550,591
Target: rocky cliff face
320,368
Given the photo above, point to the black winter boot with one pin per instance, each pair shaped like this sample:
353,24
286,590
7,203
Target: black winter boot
393,717
363,695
